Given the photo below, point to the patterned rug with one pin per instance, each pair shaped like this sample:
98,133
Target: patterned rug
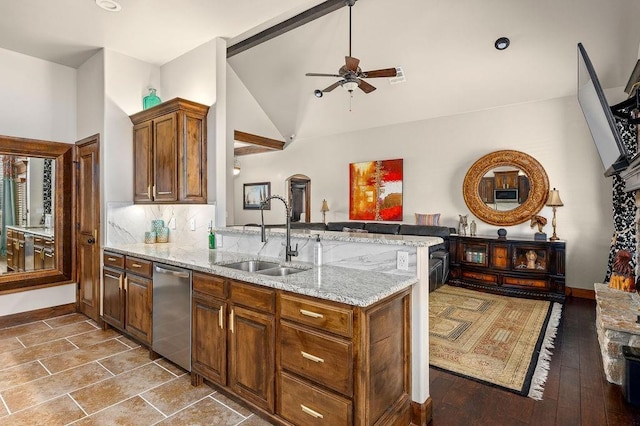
499,340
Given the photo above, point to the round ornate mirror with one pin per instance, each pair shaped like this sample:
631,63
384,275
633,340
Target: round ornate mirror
505,188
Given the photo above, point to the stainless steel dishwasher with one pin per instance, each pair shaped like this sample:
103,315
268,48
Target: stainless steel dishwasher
171,336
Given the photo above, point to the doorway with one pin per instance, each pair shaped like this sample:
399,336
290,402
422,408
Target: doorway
88,226
299,190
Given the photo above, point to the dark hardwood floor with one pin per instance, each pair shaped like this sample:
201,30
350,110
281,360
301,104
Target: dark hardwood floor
576,392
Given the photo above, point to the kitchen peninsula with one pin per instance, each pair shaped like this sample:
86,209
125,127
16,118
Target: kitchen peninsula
359,324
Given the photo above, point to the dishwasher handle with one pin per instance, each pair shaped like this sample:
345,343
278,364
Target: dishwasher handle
178,274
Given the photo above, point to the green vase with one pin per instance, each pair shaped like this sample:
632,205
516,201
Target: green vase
151,99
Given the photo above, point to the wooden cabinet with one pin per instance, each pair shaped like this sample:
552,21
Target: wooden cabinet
303,360
486,188
170,153
525,268
506,180
127,295
11,259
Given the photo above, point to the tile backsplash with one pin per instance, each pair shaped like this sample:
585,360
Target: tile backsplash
127,222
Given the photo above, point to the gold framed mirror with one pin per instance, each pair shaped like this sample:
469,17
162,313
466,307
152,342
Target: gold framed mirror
525,169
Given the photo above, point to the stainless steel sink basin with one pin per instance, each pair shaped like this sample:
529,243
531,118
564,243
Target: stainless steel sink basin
280,271
251,265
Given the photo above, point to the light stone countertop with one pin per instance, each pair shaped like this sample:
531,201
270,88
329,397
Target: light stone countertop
36,230
350,286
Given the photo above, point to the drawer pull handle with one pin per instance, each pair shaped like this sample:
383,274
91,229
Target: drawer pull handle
311,412
311,314
311,357
231,321
221,317
111,259
136,265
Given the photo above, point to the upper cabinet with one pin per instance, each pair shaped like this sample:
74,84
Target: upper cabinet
170,153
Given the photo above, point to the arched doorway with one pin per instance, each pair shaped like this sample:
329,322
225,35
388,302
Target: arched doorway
299,190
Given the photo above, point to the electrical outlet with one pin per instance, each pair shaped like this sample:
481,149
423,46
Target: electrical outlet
402,260
192,224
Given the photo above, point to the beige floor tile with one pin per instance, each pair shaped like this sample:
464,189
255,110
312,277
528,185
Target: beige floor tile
21,374
21,330
163,362
129,342
133,411
65,320
232,404
56,333
126,361
24,355
11,344
3,411
175,395
205,412
40,390
92,337
254,420
116,389
59,411
83,356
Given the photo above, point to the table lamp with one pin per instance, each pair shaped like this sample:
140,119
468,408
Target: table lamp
324,210
554,201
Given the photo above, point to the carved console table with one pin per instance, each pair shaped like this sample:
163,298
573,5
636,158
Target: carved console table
616,315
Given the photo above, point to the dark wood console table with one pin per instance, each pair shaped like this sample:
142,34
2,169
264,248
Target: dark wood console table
514,267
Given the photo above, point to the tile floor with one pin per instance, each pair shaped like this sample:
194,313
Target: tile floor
66,370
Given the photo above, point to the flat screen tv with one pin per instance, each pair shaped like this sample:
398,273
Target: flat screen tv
599,117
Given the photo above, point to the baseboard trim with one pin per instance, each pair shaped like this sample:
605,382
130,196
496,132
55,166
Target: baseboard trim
421,414
582,293
36,315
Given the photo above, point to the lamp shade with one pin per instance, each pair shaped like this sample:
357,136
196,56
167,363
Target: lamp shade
325,206
554,199
350,85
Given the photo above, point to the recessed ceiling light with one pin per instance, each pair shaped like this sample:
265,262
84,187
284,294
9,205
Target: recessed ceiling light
502,43
109,5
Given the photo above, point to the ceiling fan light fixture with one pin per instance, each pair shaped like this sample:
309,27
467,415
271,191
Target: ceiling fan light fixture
350,86
502,43
318,93
109,5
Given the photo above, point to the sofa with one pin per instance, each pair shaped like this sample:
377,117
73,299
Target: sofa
438,254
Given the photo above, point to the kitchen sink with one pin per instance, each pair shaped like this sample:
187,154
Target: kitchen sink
252,265
281,271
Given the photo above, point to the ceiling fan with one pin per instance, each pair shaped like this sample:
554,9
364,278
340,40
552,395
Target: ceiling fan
350,74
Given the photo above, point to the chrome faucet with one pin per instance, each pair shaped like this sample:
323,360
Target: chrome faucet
289,251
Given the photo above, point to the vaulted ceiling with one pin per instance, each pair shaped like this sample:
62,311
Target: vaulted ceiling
444,47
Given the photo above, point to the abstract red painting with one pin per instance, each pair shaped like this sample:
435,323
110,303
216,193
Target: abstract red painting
375,190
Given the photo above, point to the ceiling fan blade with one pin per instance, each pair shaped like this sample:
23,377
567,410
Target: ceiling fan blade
387,72
333,86
316,74
365,87
351,63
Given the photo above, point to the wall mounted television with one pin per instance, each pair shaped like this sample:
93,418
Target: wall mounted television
599,117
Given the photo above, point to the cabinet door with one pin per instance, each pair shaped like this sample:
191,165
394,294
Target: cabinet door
38,258
165,158
139,293
209,339
192,179
113,297
142,162
49,259
252,356
20,256
487,185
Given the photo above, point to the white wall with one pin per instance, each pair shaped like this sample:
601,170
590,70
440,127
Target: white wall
437,154
38,102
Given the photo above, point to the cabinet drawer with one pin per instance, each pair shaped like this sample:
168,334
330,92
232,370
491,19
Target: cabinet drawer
210,284
10,233
113,259
525,282
325,316
252,296
304,404
480,276
319,357
139,266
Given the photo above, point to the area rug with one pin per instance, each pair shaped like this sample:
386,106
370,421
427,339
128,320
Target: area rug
499,340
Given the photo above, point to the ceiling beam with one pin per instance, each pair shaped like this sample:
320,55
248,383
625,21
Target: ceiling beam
262,144
247,150
285,26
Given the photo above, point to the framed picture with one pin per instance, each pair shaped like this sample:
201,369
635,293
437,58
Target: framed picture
375,189
254,193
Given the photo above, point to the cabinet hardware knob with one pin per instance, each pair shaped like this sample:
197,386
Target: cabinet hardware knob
311,412
136,265
111,259
311,357
126,284
120,282
221,316
231,321
311,314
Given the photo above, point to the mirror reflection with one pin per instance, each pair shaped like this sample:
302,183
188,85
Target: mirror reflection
504,188
26,211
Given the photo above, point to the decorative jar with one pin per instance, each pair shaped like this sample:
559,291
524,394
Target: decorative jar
150,237
162,235
151,99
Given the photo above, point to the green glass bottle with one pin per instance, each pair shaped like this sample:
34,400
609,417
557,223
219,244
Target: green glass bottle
151,99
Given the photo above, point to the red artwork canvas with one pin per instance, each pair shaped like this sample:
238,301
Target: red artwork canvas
375,189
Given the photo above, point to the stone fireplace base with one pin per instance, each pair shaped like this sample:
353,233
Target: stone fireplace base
616,314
